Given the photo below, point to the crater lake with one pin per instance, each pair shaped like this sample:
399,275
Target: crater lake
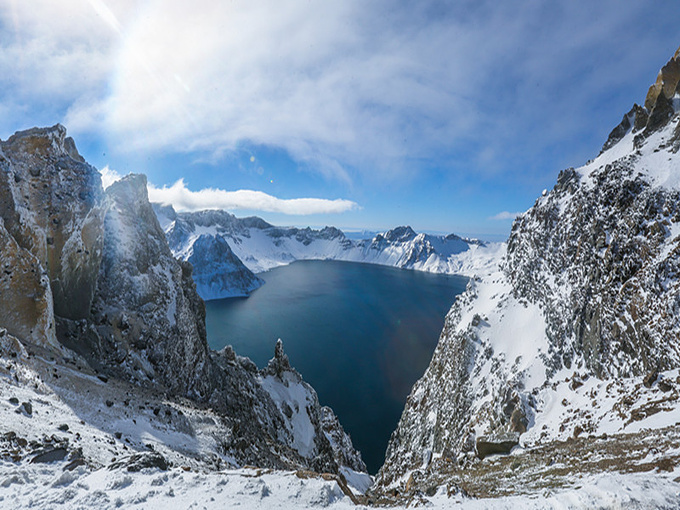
360,334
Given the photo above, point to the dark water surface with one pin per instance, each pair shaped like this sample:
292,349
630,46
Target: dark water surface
360,334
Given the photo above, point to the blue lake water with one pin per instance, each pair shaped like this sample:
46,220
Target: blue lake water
360,334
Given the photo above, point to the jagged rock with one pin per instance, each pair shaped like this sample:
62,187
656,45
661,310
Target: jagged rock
144,294
660,114
315,430
51,206
666,82
496,443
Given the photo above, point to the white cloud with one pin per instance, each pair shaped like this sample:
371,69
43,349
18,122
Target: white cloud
109,176
349,88
505,215
183,199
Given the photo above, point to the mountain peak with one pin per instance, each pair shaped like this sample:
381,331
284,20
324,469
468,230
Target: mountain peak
666,82
658,108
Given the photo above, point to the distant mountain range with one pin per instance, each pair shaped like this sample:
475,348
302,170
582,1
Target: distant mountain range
226,251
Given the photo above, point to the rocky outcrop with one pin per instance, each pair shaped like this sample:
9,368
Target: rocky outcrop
147,322
50,206
92,271
589,290
666,82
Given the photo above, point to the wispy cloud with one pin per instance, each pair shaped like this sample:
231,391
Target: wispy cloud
183,199
505,215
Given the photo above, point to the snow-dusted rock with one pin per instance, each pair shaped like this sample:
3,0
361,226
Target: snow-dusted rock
217,271
50,207
589,291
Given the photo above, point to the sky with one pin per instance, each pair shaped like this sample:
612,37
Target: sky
449,116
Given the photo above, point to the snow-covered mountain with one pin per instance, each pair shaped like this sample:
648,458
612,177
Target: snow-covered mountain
571,346
98,316
261,246
217,271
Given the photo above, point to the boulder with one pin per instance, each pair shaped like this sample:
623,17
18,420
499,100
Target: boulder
496,443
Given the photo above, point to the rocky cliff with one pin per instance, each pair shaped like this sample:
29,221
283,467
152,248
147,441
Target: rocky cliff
88,275
575,337
50,224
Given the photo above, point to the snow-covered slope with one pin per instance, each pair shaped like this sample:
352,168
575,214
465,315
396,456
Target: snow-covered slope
72,440
575,335
261,246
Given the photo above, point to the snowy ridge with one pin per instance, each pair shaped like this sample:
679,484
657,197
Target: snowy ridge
261,246
573,337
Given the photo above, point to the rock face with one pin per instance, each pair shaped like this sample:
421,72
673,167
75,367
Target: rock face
216,243
92,271
147,321
50,206
589,288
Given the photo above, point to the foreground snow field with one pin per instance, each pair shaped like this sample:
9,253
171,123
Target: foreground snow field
48,486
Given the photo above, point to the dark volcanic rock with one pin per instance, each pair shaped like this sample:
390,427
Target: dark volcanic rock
50,455
139,461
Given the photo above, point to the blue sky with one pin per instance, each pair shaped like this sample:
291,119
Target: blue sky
369,114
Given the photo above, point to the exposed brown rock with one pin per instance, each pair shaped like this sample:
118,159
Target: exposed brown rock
25,296
51,206
666,81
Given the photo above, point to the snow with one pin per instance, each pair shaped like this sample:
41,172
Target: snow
47,486
260,252
361,482
292,393
262,248
600,407
654,161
